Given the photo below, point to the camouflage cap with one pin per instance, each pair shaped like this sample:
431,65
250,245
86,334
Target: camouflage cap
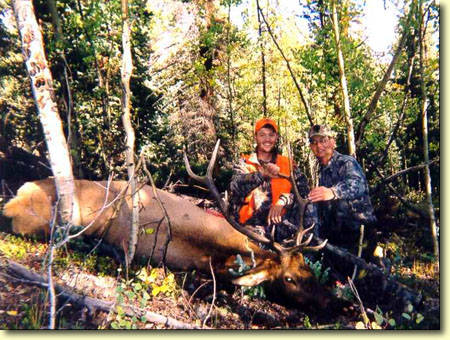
321,130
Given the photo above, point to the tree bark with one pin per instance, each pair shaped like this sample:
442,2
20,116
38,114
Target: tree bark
126,71
426,156
72,134
288,65
22,274
263,60
343,82
389,179
382,84
400,118
42,87
229,84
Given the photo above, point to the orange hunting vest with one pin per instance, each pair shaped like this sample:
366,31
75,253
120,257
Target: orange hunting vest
278,186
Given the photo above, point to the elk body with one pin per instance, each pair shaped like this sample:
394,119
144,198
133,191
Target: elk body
196,236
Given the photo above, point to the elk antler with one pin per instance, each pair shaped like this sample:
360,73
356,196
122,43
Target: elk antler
209,182
302,203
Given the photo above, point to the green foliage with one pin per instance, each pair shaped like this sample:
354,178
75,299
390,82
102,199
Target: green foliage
321,274
16,247
142,288
307,322
255,291
343,291
217,65
34,312
409,319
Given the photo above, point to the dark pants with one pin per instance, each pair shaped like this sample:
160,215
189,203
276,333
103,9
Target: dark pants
343,237
349,239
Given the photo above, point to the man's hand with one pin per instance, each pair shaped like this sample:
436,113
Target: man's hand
319,194
275,214
270,170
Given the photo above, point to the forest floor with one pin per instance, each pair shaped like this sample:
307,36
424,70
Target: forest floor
192,299
187,297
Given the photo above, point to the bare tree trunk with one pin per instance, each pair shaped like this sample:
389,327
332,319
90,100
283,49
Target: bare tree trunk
229,83
426,156
343,81
382,84
291,72
263,60
126,70
42,87
400,118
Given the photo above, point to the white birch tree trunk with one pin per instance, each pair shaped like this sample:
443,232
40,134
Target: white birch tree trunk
126,71
42,87
59,157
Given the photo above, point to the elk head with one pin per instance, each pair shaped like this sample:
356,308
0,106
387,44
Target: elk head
284,267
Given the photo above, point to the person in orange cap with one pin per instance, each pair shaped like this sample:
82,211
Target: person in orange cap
260,196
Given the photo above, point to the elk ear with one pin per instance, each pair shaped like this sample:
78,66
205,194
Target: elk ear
252,279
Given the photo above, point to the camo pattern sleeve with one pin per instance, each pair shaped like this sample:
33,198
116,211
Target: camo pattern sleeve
346,177
242,183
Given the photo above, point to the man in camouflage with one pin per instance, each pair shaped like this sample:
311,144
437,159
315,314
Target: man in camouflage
259,198
342,197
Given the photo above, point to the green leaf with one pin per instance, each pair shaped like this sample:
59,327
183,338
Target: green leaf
410,308
149,231
378,318
131,295
145,295
419,318
391,322
406,316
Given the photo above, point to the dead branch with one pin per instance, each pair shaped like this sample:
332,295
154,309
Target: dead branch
382,84
17,272
388,179
214,294
163,209
402,292
401,115
300,92
407,204
361,306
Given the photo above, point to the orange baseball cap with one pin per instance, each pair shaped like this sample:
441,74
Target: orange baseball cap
265,121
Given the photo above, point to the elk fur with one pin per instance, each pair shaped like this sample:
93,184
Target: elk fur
196,236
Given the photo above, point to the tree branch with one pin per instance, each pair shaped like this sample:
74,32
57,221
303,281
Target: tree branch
386,180
400,118
382,84
19,273
302,97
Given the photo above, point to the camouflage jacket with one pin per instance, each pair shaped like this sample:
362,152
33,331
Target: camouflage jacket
244,182
352,206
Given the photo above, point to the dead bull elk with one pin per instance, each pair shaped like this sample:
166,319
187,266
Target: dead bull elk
195,235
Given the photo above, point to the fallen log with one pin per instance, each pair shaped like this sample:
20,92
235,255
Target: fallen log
15,271
389,286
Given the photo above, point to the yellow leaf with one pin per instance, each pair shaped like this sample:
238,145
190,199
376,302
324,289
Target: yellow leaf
360,325
362,274
375,325
12,312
